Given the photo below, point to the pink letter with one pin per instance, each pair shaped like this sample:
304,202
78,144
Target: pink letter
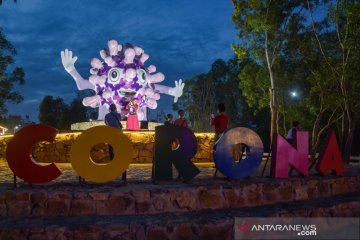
284,154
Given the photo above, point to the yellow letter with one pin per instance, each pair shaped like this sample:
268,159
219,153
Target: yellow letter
82,162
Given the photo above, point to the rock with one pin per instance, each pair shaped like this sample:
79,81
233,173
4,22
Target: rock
211,198
186,199
252,194
301,193
99,196
156,233
58,207
220,230
183,231
119,203
83,207
231,197
143,206
39,197
19,208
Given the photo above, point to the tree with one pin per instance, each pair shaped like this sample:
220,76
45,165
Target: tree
12,122
8,80
58,114
198,101
73,113
220,85
1,2
263,30
337,40
51,110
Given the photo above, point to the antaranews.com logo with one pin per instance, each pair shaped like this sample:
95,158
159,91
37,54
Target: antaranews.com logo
296,228
301,230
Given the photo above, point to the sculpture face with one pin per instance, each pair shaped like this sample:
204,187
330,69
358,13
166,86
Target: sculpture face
122,77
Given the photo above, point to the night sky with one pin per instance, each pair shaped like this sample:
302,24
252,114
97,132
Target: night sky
183,38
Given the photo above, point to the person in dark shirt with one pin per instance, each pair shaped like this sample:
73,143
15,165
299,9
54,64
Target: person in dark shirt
169,119
112,119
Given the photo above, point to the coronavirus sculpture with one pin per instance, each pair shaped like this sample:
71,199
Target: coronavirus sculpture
120,78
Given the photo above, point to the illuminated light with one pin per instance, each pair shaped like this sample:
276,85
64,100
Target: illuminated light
86,168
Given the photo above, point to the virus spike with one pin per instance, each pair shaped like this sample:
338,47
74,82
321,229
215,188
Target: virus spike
96,63
93,71
109,61
151,69
103,54
129,55
138,51
144,57
130,74
113,47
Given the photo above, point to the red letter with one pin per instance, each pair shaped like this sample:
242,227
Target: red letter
330,158
284,154
19,157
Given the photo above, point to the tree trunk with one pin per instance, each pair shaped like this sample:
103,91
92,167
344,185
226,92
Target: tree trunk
314,137
273,109
273,105
349,141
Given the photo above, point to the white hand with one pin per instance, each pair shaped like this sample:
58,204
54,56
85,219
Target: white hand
177,91
68,60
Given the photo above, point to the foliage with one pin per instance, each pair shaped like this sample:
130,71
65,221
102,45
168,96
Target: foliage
58,114
264,28
203,92
8,80
2,1
50,111
13,122
288,49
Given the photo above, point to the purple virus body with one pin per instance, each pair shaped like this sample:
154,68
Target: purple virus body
120,77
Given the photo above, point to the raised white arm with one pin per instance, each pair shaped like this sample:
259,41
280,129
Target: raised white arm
176,91
68,62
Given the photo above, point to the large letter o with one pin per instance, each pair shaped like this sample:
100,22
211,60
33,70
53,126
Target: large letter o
82,162
224,158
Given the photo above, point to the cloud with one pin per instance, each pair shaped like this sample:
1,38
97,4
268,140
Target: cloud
183,38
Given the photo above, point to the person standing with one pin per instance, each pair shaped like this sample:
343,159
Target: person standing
112,119
132,121
220,122
292,132
169,119
181,121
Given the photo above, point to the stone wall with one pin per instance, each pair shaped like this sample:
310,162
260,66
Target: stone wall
144,199
143,145
146,211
